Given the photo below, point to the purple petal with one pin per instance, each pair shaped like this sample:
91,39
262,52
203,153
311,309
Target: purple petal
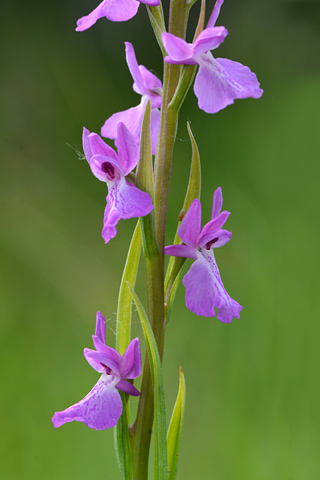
190,227
154,3
98,147
179,51
100,331
103,357
134,69
152,86
216,203
124,200
131,118
240,78
205,290
209,39
114,10
105,169
86,144
215,239
215,13
111,217
154,126
131,361
214,225
220,81
128,151
100,409
128,388
181,251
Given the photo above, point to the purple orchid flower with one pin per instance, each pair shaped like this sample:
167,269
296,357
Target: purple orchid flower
219,81
150,88
124,200
114,10
102,407
204,288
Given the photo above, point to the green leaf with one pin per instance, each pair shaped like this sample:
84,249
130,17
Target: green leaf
175,429
124,311
123,337
175,265
144,181
160,443
122,443
157,22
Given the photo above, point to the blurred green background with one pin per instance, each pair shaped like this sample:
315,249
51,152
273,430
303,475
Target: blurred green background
252,386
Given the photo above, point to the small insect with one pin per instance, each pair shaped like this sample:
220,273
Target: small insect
182,214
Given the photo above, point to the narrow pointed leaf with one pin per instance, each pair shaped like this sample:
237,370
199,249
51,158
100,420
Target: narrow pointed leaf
122,443
157,23
160,443
124,311
144,181
175,429
123,337
173,273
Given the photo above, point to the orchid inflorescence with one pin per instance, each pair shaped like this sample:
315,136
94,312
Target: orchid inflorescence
140,133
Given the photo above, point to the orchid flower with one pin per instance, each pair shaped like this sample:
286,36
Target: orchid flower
219,81
150,88
114,10
204,288
102,407
124,200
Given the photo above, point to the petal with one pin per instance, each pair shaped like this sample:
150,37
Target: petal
209,39
128,151
215,13
131,361
150,81
99,147
124,200
134,68
205,290
214,225
96,165
241,80
111,217
86,144
100,409
181,251
131,118
190,227
154,3
220,81
114,10
178,49
154,126
218,239
100,331
96,358
128,388
210,90
216,203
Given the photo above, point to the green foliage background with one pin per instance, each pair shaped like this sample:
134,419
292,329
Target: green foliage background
252,386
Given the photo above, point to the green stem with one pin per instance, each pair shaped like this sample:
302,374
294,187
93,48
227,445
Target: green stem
141,431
